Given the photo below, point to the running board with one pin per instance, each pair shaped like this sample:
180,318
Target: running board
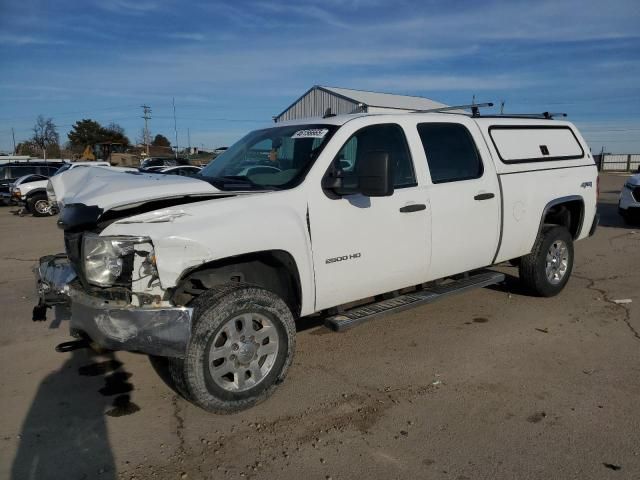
355,316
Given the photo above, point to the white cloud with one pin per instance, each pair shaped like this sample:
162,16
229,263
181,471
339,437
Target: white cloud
196,37
427,82
128,7
20,40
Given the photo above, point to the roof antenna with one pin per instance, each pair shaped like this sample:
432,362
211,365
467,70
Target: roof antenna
502,107
327,113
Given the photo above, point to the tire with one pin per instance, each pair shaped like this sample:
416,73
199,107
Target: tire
534,274
168,369
231,318
38,206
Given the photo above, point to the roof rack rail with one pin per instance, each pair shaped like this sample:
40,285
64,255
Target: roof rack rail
543,115
475,108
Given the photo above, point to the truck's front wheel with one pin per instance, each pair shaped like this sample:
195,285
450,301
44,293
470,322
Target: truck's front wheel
546,270
241,346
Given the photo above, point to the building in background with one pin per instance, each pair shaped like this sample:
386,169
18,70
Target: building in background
316,101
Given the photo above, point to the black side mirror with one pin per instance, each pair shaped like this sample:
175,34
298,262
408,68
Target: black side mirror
376,174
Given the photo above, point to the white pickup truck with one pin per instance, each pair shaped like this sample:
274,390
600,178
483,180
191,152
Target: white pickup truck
347,216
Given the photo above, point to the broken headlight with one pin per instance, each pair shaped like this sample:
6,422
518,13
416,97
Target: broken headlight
109,260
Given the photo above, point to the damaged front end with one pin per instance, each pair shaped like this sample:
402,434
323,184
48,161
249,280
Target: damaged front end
115,296
53,274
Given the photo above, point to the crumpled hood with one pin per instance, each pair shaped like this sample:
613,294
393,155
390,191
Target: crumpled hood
107,189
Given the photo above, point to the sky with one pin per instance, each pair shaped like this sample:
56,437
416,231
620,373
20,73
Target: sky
232,65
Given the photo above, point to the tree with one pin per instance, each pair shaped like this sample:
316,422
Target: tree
85,133
161,141
115,133
27,148
45,136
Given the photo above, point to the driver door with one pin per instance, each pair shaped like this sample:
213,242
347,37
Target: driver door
364,246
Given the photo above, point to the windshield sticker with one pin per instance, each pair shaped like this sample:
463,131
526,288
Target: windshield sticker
311,133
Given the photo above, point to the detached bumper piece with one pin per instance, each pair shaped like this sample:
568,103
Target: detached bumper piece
358,315
53,274
154,331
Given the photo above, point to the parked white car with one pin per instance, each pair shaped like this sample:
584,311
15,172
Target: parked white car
629,201
24,192
208,274
183,170
32,195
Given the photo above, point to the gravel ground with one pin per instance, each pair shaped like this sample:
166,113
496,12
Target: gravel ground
490,384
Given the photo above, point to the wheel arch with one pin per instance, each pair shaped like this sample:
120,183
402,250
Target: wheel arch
35,192
566,211
275,270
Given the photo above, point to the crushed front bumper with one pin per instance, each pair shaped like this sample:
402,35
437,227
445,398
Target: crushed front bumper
114,325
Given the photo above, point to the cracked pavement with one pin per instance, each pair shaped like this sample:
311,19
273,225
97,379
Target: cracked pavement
491,384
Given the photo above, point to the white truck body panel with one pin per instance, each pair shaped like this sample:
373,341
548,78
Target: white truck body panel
528,187
385,249
233,226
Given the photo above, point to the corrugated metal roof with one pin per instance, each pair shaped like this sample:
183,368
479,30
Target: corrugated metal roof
317,99
387,100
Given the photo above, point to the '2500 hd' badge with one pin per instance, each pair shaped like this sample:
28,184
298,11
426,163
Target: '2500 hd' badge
351,256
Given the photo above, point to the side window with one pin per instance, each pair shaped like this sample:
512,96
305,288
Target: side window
451,152
17,172
389,138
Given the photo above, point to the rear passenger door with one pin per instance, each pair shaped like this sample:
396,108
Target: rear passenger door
464,196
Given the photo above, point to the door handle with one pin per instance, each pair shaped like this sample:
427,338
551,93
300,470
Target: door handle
415,207
484,196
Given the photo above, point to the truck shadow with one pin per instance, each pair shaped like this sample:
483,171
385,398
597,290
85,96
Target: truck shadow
510,285
64,434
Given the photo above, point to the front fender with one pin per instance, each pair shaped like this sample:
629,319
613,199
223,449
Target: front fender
213,230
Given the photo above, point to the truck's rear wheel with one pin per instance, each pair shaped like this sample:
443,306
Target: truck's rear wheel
242,343
546,270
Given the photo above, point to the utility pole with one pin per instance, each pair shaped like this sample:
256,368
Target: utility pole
189,140
175,126
147,116
13,134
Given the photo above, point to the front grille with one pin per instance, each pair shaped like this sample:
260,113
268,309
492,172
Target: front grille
636,193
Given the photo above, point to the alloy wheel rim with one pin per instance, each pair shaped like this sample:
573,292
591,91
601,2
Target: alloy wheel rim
243,352
42,206
557,262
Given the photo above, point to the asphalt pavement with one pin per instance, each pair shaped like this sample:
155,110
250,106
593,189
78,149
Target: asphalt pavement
491,384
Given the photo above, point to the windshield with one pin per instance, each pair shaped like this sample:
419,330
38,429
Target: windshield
63,168
276,157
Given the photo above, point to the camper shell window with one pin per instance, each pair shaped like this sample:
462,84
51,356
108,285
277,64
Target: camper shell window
535,143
